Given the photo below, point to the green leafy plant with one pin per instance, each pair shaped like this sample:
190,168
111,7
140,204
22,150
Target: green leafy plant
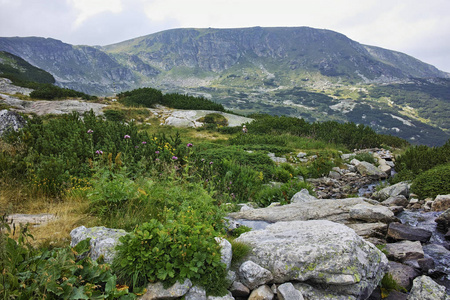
240,230
388,284
433,182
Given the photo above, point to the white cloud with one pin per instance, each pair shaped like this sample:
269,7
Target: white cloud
89,8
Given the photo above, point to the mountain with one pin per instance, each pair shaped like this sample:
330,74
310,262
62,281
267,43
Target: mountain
304,72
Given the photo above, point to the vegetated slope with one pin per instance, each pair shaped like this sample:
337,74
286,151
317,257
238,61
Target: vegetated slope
20,71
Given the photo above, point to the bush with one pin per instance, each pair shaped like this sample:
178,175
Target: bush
114,115
433,182
365,156
282,194
52,92
214,118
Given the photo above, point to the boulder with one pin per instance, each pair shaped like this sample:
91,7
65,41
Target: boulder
440,255
401,188
311,293
226,297
195,293
253,275
263,292
371,213
404,250
398,231
402,274
367,169
424,288
336,210
237,289
303,196
103,240
157,290
443,221
367,230
398,200
10,120
441,203
287,291
225,251
323,253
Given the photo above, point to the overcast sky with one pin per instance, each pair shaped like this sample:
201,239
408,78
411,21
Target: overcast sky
420,28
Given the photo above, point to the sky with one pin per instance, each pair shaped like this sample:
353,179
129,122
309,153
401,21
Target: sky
420,28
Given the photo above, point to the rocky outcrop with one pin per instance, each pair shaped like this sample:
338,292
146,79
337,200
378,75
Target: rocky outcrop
10,121
321,253
401,188
424,288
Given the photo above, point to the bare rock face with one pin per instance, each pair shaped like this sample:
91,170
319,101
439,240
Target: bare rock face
322,253
10,120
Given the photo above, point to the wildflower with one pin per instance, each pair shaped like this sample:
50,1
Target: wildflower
157,159
157,152
99,152
90,131
127,136
144,142
174,157
136,147
189,145
203,159
210,162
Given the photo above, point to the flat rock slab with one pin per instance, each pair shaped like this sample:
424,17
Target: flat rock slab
320,252
336,210
404,250
400,231
34,220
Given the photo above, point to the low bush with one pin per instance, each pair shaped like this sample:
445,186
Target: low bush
433,182
282,194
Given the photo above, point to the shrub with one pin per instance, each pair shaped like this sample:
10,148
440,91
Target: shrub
114,115
214,118
365,156
282,194
433,182
170,252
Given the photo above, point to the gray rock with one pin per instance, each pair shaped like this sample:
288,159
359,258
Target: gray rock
195,293
368,230
424,288
226,297
404,250
103,240
157,291
301,154
401,188
311,293
10,121
253,275
263,292
287,291
237,289
303,196
336,210
440,255
225,251
33,220
322,252
441,203
334,175
400,231
398,200
367,169
371,213
402,274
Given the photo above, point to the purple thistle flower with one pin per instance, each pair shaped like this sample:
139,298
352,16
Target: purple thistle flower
203,159
174,157
144,142
99,152
90,131
157,159
157,152
210,162
127,136
189,145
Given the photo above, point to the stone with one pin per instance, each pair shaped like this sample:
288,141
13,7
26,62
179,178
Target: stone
426,264
396,209
367,230
195,293
398,231
401,188
440,255
441,203
367,169
33,220
371,213
334,175
404,250
103,240
396,295
303,196
287,291
10,121
398,200
225,251
301,155
157,290
336,210
424,288
263,292
311,293
402,274
253,275
443,221
226,297
319,251
237,289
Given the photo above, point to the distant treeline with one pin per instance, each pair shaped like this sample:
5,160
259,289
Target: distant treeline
351,135
52,92
149,97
